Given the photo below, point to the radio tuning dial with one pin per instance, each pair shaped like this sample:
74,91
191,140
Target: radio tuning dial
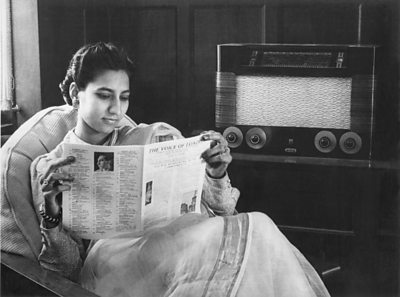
233,136
256,137
350,143
325,141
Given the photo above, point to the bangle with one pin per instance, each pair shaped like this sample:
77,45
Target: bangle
55,220
209,175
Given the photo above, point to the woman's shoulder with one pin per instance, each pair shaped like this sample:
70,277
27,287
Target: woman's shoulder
147,133
41,162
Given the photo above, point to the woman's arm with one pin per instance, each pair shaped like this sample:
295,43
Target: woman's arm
218,195
60,252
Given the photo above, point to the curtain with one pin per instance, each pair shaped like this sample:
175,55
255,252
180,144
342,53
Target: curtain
6,67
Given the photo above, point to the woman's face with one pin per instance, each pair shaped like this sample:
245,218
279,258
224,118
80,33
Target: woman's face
102,105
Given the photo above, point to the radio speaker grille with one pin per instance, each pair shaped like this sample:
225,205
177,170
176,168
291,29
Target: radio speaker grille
286,101
322,102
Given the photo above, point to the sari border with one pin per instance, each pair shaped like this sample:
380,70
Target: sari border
232,257
245,256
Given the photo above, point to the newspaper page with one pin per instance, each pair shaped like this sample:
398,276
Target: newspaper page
119,189
105,197
173,177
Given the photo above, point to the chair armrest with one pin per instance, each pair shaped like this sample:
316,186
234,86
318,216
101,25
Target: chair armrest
52,282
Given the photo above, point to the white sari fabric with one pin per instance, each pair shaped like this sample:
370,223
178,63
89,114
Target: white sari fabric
194,255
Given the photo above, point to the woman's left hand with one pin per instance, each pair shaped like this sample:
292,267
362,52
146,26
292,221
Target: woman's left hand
218,155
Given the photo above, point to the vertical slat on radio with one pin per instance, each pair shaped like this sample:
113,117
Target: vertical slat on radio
225,100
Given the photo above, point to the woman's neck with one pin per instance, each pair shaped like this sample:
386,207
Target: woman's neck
88,134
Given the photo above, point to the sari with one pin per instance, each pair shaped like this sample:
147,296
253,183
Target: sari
194,255
216,253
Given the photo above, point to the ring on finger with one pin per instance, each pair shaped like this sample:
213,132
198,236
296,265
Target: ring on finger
45,182
57,183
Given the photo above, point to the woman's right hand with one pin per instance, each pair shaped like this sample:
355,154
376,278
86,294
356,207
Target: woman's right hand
52,183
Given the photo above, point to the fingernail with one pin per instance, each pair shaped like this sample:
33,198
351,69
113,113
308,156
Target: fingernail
71,158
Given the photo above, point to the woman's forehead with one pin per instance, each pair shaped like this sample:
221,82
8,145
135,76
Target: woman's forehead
111,79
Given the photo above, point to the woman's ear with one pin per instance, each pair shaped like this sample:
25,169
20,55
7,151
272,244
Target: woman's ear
73,93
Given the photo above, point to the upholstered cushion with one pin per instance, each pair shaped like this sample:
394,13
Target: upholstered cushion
20,233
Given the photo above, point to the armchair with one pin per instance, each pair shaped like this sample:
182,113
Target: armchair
20,232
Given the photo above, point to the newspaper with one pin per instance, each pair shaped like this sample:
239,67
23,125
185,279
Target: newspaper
119,189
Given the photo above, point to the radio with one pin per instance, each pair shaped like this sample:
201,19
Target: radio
297,100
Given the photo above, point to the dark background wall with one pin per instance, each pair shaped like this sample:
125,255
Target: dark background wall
174,42
342,218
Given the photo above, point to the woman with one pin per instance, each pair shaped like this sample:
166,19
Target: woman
216,253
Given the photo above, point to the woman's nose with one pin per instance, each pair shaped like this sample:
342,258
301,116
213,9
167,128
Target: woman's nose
115,106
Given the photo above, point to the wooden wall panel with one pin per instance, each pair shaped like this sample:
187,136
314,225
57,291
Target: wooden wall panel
61,30
180,61
149,36
212,26
147,33
97,24
319,23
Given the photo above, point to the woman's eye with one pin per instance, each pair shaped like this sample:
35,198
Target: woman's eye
124,98
104,95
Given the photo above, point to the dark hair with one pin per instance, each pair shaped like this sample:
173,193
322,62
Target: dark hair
90,60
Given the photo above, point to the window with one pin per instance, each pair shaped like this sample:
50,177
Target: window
6,59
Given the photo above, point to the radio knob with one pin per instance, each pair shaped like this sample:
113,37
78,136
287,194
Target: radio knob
233,136
256,137
350,143
325,141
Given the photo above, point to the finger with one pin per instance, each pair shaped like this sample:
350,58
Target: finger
207,135
215,150
56,176
57,189
60,176
62,188
55,179
58,163
215,137
51,194
207,132
219,160
212,135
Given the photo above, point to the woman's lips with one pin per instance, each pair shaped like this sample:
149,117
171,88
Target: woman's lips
110,121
